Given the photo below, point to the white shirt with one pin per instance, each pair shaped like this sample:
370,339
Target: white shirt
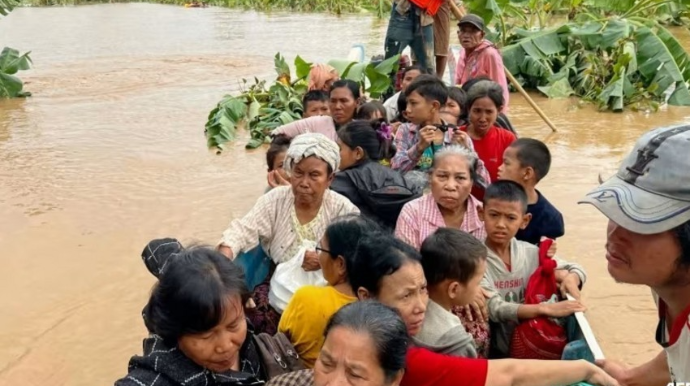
676,343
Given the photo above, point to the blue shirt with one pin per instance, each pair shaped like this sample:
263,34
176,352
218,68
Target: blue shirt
546,221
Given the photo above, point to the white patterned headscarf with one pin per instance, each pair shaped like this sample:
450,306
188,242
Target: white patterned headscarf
312,144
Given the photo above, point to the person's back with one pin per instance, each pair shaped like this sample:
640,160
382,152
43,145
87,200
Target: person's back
526,162
454,263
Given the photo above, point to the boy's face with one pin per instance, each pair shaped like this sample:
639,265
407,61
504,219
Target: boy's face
511,169
503,220
420,110
466,293
315,108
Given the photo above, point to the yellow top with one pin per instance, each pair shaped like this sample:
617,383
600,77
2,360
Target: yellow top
305,318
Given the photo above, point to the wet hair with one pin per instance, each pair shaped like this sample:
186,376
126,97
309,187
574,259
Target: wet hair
683,233
451,254
314,96
385,328
459,96
378,256
367,110
279,144
374,137
485,89
349,84
430,88
190,296
535,154
344,233
507,191
461,151
402,106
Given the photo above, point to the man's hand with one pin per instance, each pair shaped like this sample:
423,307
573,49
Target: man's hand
561,309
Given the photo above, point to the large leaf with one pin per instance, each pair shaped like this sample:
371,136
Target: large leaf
558,89
356,72
10,86
530,55
281,66
662,61
487,9
388,66
302,68
602,35
378,83
6,6
341,65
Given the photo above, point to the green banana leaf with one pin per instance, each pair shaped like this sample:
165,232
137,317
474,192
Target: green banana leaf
559,89
302,68
6,6
487,9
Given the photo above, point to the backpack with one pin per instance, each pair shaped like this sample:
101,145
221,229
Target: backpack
543,337
277,354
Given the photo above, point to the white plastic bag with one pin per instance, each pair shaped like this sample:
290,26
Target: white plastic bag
290,276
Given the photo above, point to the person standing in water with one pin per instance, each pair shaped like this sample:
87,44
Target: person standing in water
411,26
648,243
479,56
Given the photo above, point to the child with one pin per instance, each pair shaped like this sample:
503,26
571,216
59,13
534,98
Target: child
456,100
391,104
454,263
315,103
512,262
371,111
526,161
275,156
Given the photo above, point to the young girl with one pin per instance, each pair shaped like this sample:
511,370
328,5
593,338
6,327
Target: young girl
484,103
275,156
371,111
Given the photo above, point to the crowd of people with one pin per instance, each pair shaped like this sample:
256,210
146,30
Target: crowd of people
412,228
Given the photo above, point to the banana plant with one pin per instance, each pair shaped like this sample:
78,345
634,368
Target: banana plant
11,61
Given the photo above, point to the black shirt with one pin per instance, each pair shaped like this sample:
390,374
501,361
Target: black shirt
546,221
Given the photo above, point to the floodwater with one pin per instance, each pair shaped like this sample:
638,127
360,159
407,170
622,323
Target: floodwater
109,153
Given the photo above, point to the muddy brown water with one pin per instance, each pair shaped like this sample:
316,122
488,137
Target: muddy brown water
109,153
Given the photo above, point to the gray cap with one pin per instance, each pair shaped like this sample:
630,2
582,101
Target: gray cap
651,191
472,19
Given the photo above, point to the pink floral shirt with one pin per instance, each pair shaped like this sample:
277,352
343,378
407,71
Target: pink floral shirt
421,217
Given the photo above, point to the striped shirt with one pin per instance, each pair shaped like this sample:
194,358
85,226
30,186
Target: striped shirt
421,217
270,221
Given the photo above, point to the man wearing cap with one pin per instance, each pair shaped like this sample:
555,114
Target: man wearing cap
479,56
648,243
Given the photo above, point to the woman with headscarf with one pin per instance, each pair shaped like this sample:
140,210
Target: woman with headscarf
321,77
287,216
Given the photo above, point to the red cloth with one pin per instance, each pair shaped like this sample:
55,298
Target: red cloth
540,338
426,368
490,150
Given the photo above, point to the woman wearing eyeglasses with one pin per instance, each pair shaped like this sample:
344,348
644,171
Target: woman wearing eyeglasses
304,319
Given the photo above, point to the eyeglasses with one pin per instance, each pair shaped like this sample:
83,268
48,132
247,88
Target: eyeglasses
319,249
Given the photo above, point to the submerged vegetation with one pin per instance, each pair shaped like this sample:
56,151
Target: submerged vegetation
11,61
614,53
261,108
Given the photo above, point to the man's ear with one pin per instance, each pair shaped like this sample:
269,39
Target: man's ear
525,220
363,293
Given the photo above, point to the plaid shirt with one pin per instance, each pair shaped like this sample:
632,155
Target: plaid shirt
297,378
421,217
407,156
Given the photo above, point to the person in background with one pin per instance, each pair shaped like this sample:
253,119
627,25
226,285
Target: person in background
275,157
457,98
363,144
442,37
389,271
321,77
454,263
512,262
647,204
417,141
502,120
344,99
371,111
411,26
402,115
479,56
484,102
365,344
287,216
315,103
526,161
409,75
196,319
310,309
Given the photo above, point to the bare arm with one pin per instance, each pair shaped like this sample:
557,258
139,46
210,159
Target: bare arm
652,373
511,372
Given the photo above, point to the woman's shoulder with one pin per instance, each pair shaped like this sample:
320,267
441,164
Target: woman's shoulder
338,202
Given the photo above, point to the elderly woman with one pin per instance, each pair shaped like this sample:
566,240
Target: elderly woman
479,56
390,272
365,344
196,319
287,216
